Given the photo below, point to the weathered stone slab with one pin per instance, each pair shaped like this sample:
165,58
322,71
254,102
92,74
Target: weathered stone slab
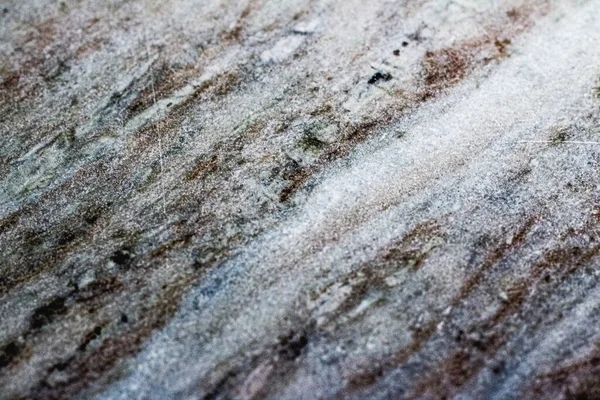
336,199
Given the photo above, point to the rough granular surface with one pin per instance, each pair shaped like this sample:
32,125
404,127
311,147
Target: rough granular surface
300,199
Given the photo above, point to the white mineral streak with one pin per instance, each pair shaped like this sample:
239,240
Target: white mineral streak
282,50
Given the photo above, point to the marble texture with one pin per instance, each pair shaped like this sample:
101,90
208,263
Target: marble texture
299,199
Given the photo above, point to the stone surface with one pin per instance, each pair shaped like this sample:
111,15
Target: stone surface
295,199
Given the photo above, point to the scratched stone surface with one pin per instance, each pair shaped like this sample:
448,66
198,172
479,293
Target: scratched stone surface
336,199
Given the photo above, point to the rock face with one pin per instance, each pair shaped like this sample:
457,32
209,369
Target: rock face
294,199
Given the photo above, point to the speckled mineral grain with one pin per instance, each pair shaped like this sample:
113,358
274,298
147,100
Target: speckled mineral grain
337,199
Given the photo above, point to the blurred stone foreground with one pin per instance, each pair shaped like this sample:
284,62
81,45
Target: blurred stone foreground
300,199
